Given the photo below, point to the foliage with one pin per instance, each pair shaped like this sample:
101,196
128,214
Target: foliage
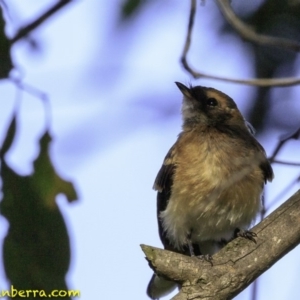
36,248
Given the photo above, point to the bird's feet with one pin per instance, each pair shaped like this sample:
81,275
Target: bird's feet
249,235
206,257
192,247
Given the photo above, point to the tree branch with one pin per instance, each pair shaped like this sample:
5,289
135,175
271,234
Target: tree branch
287,163
262,82
247,33
236,265
283,140
23,32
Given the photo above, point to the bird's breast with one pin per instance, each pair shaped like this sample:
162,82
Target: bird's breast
215,190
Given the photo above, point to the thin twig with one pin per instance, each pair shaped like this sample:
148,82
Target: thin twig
247,33
281,143
190,30
290,136
284,139
23,32
262,82
287,163
282,193
254,290
30,89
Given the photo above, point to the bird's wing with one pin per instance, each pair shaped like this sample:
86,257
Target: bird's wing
266,167
162,185
164,178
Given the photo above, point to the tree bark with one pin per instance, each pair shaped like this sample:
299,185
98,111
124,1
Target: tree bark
236,265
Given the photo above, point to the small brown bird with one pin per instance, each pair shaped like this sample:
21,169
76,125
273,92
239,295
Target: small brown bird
210,184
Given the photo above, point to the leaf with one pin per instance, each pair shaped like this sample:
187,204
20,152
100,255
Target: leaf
5,59
47,183
36,250
130,7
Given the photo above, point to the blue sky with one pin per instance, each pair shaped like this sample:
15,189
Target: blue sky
115,113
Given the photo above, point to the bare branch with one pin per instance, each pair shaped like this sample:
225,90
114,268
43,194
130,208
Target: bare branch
281,194
249,34
23,32
237,264
262,82
287,163
290,136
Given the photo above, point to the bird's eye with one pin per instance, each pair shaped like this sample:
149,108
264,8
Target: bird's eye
211,102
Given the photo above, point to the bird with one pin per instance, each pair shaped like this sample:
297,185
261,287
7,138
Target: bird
210,185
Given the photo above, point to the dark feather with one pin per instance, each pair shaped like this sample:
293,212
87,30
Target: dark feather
163,184
162,201
163,181
164,178
267,170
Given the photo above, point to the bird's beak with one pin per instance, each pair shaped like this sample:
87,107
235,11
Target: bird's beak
184,90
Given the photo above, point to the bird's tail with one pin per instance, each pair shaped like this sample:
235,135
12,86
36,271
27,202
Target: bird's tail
159,287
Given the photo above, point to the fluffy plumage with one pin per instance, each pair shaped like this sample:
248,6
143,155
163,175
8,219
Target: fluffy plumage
211,180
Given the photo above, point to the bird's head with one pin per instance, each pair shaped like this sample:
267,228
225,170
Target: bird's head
208,107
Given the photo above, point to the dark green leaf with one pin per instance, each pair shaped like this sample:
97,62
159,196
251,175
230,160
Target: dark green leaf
5,59
36,250
130,7
47,183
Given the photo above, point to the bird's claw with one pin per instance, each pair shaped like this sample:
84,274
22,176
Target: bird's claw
249,235
206,257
